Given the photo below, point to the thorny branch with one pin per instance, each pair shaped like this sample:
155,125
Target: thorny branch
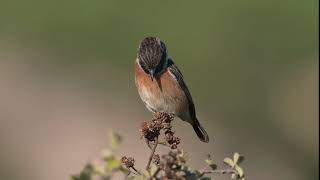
152,153
167,166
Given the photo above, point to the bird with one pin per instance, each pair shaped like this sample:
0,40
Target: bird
161,85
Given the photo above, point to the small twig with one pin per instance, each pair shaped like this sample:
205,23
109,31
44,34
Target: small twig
148,143
203,171
136,170
222,171
205,168
152,153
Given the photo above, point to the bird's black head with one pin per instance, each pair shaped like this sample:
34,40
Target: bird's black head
152,56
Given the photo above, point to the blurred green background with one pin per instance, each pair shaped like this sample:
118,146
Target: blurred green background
66,79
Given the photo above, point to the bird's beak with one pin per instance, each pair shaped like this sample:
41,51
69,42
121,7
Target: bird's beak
152,75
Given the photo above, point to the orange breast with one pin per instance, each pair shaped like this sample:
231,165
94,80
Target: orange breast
161,94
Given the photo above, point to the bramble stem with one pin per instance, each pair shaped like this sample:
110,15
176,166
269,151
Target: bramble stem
152,153
222,171
136,170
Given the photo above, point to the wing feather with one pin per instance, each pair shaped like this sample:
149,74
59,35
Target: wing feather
176,73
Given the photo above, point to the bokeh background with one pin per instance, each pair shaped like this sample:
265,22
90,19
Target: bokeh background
66,80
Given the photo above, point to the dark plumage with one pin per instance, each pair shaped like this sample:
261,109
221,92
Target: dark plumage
152,54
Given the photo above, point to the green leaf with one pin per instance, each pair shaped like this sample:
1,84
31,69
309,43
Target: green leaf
182,157
99,169
239,170
190,175
85,174
113,164
236,157
198,173
234,176
75,177
138,177
205,178
124,170
210,163
115,140
153,169
229,162
101,177
144,174
107,153
184,168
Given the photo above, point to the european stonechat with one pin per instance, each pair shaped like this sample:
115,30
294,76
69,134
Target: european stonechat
161,86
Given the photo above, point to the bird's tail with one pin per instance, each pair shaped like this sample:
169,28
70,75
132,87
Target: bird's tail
201,133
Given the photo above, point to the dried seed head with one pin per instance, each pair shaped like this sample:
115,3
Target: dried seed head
128,161
171,139
173,146
156,159
150,130
164,117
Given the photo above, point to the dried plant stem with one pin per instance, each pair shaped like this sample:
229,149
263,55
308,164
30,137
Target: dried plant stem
148,143
152,153
220,171
135,170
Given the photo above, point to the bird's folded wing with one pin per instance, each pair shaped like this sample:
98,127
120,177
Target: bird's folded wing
176,73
